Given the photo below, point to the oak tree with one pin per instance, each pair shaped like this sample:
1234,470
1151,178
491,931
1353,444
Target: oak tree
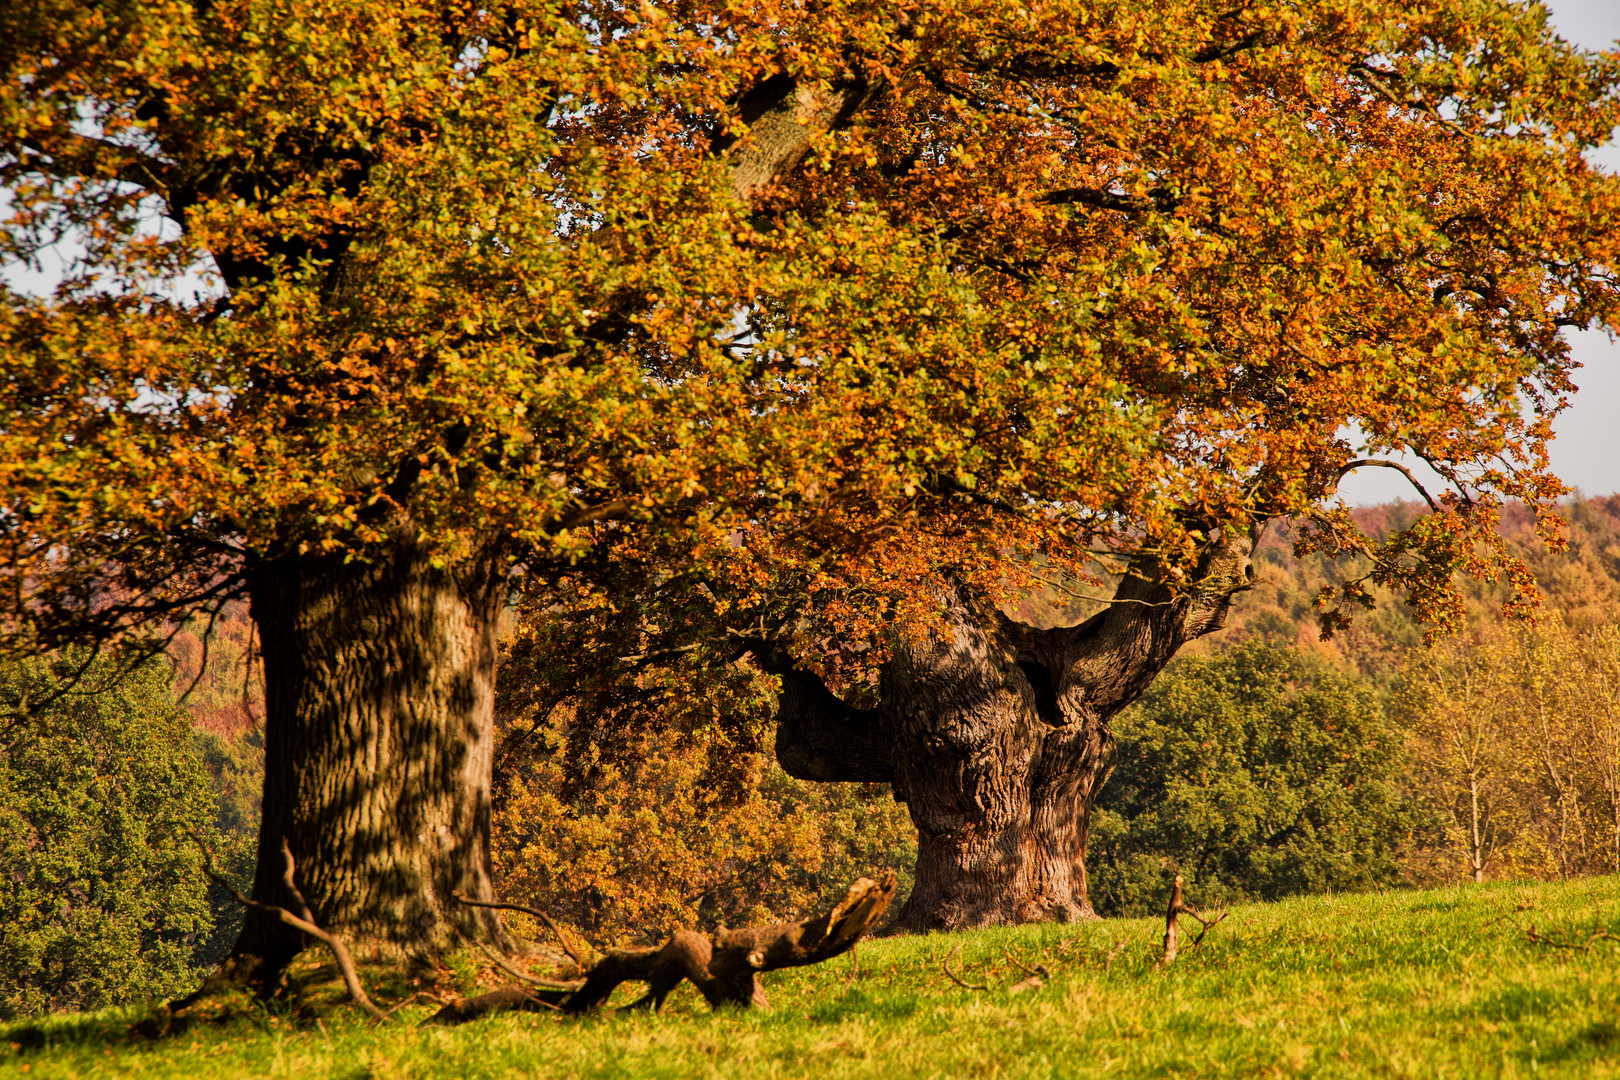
821,300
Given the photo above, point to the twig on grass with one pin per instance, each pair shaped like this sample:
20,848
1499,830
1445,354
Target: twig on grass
1037,974
304,921
523,976
1537,937
400,1004
946,966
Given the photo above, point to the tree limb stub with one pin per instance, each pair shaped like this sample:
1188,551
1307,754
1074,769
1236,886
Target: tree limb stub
1172,934
725,967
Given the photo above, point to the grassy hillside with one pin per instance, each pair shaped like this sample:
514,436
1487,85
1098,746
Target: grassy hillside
1402,984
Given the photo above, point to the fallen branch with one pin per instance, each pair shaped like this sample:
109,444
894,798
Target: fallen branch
945,965
1573,946
725,967
1172,933
1037,975
304,921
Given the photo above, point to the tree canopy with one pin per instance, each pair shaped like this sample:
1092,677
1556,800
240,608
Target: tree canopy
105,902
1108,273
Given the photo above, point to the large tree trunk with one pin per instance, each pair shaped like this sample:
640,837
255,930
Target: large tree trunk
378,740
996,737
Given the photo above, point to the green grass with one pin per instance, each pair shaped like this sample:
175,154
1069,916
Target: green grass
1401,984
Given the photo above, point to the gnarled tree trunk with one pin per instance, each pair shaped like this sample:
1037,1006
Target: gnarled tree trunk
996,737
378,737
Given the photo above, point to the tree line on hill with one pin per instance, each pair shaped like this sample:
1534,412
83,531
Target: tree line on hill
1266,762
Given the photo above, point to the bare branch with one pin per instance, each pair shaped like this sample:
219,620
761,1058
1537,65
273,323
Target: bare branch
549,984
1374,78
1351,466
537,913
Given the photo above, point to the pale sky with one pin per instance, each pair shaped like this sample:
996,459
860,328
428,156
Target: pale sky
1586,453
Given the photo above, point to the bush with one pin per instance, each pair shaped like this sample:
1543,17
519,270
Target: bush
105,901
1256,773
657,841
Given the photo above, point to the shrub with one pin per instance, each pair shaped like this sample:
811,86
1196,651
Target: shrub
105,902
1256,773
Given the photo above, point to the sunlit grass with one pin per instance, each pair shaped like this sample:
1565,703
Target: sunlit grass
1400,984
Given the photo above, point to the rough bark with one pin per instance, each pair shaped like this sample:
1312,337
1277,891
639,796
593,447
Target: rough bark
378,737
783,117
996,736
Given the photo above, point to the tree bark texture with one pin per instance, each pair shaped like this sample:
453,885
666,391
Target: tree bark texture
378,737
996,735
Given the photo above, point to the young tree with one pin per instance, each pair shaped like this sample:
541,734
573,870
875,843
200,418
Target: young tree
1465,748
811,300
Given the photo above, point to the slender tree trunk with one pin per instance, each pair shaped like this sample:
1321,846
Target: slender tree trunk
1477,854
996,737
378,740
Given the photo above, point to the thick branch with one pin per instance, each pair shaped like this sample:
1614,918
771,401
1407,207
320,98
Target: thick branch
819,737
784,116
1107,661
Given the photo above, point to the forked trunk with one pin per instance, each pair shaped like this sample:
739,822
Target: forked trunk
378,738
996,736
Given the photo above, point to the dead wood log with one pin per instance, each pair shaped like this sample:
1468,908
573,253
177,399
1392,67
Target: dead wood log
725,966
1172,933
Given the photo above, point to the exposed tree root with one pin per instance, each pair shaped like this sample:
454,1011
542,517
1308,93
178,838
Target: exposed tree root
1172,934
725,967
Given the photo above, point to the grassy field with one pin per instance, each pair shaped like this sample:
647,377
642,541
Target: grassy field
1402,984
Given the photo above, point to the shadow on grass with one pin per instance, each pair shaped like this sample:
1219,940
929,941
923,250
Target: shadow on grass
1601,1039
132,1025
858,1003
